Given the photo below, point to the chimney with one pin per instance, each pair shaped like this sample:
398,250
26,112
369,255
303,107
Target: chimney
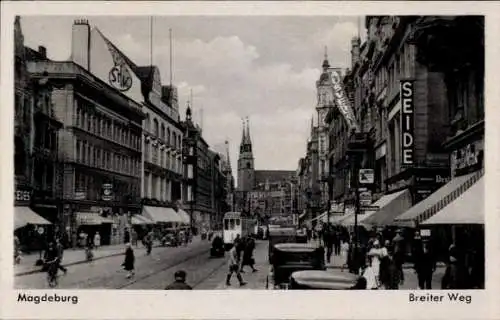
42,51
80,43
355,47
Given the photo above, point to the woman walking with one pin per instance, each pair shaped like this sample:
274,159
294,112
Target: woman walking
129,262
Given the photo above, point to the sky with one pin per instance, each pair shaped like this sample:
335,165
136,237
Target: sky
261,67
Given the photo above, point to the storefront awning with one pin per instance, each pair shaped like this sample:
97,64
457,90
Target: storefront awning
184,216
91,219
138,219
348,220
466,209
437,200
24,216
161,214
390,206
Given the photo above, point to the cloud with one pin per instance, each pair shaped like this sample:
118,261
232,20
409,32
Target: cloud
264,68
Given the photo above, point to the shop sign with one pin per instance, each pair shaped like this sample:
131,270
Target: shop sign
407,125
107,192
398,185
366,176
22,195
80,195
365,198
466,157
119,75
343,103
436,179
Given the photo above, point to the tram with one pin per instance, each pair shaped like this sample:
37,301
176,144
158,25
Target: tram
235,224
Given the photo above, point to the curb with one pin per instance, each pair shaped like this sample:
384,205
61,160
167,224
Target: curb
26,273
404,267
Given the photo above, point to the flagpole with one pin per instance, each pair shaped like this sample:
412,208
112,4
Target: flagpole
151,40
171,68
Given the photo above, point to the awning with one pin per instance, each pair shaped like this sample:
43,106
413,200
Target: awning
24,216
161,214
184,216
91,219
466,209
348,220
437,200
138,219
390,206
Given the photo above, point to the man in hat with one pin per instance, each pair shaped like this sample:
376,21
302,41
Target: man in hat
425,265
179,282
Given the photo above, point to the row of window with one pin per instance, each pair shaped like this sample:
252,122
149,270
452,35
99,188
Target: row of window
171,137
157,187
93,156
102,125
162,158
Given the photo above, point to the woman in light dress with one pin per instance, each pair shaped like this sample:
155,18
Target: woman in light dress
376,254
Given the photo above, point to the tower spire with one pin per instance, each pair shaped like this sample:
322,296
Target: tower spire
243,133
248,140
228,158
326,64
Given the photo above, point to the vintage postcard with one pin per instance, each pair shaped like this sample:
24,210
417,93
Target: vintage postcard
246,154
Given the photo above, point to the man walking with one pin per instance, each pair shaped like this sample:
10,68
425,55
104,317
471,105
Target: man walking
60,252
234,264
425,265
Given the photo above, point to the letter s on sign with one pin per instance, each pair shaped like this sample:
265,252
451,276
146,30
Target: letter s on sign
407,89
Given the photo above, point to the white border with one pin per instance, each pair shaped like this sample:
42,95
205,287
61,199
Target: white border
252,304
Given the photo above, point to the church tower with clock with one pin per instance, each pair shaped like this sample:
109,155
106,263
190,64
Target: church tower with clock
246,169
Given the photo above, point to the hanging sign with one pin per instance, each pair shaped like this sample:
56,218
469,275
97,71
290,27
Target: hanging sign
366,176
107,192
407,125
342,101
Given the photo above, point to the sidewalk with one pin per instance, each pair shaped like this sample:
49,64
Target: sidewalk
77,256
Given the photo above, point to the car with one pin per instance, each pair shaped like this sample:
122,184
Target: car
279,235
288,258
325,280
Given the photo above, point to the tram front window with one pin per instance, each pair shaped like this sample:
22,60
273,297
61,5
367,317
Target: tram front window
226,224
231,224
237,222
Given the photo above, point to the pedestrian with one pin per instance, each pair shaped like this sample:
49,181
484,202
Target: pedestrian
370,276
134,238
455,275
390,277
128,263
399,252
234,265
60,253
126,236
337,241
248,259
179,282
97,240
376,254
17,250
425,265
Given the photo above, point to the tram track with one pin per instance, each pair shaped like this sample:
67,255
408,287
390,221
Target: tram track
188,262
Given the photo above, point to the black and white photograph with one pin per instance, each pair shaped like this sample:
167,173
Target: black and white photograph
234,152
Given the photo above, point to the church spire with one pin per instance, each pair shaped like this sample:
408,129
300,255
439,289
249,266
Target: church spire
229,169
326,64
243,133
248,140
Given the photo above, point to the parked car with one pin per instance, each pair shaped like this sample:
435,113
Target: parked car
288,258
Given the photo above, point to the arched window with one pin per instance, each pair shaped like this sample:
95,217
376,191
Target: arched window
162,133
179,141
168,136
156,127
174,140
148,122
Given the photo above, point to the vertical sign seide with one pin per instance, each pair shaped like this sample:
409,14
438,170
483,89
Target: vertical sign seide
407,123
